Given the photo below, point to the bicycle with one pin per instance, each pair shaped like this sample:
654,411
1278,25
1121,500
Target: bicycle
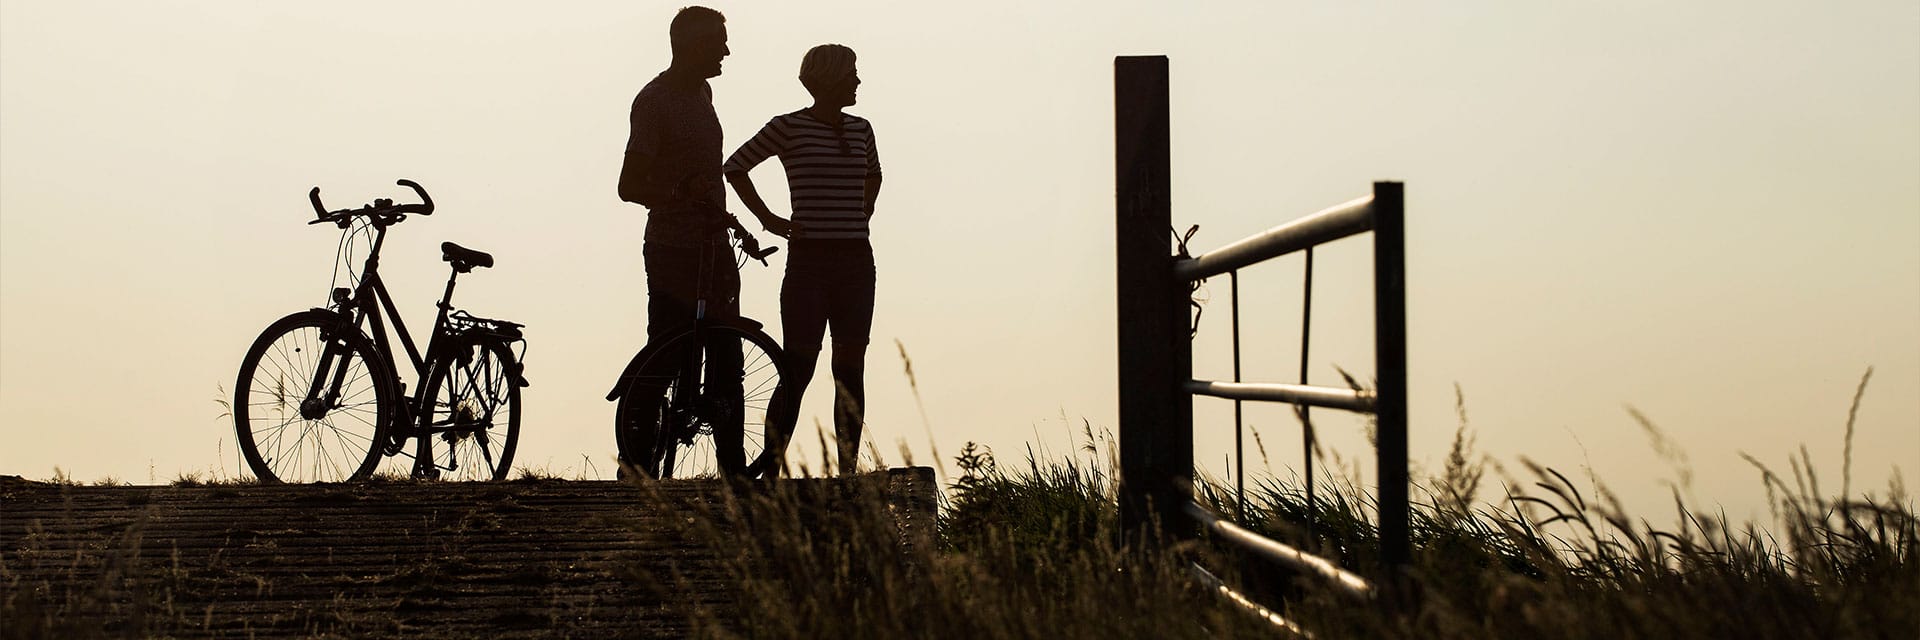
695,382
318,400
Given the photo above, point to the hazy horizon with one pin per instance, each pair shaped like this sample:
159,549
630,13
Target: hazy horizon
1709,213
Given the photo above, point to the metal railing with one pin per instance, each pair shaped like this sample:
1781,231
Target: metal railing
1155,333
1280,553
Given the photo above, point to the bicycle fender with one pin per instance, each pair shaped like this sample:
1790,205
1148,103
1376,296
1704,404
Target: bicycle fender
335,322
482,341
633,366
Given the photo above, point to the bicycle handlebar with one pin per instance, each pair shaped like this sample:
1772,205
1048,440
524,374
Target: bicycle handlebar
763,253
751,245
380,207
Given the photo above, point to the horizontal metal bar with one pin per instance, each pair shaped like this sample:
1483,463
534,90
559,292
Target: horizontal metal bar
1246,604
1345,581
1329,397
1333,223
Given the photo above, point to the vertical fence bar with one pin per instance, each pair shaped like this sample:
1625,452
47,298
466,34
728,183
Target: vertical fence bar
1390,336
1306,423
1239,448
1155,353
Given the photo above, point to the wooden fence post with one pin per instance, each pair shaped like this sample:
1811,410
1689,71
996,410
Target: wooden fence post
1390,338
1155,352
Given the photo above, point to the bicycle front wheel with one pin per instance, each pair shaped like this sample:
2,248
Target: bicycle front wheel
312,401
699,405
473,412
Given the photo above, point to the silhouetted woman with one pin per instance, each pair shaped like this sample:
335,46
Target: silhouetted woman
833,176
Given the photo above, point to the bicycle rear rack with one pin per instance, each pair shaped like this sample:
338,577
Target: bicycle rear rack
462,323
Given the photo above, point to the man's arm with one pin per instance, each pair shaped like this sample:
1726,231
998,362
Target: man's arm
635,187
638,184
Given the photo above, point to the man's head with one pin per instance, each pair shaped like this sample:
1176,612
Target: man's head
699,37
828,73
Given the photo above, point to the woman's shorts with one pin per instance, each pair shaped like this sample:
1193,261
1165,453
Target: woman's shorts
829,284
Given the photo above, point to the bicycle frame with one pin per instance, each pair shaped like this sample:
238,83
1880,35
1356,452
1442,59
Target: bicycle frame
699,324
683,407
695,410
364,306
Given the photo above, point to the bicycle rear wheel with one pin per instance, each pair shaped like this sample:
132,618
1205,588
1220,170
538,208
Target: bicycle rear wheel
288,433
473,412
683,396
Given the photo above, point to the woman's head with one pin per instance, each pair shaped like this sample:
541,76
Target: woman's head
828,73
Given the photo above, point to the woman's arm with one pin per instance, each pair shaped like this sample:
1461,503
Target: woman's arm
768,142
873,170
743,187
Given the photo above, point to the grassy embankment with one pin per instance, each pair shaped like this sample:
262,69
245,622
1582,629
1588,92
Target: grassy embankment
1035,552
1032,552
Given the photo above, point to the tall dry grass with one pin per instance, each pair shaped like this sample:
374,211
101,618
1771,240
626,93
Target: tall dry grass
1035,551
1029,554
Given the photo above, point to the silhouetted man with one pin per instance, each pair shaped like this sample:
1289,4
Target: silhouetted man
672,167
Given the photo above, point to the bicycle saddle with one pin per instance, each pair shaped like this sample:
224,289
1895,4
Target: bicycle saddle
464,259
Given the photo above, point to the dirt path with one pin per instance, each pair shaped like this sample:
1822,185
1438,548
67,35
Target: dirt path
546,558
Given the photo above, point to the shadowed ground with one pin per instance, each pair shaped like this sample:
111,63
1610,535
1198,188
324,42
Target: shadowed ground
539,557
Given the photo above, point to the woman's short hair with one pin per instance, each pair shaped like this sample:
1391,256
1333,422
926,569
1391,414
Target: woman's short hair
824,66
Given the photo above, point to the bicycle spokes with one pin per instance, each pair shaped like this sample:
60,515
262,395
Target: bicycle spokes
308,406
697,405
471,415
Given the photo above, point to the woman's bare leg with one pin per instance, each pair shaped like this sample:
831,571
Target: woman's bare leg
849,365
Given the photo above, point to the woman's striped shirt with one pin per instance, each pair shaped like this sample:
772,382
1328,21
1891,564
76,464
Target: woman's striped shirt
827,169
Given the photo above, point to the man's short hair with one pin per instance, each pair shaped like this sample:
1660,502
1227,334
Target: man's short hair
692,22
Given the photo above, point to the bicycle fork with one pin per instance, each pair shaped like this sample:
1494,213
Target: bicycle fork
328,378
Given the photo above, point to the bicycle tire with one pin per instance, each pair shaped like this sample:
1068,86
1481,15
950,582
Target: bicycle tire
269,402
474,383
648,406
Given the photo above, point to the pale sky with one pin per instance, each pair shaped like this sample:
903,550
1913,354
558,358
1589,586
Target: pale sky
1709,211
